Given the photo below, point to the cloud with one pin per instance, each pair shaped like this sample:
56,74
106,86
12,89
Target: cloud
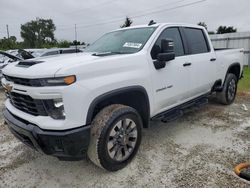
93,18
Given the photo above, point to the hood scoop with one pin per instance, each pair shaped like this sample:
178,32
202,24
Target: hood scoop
28,63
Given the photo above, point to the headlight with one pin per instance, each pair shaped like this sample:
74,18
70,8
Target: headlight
60,81
55,108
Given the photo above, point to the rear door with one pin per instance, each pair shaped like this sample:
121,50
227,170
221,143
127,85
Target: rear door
202,61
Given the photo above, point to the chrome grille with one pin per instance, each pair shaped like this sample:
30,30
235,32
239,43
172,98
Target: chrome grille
23,81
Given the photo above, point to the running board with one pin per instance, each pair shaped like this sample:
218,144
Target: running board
201,102
177,112
172,116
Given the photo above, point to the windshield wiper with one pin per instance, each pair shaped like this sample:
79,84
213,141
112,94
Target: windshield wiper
108,53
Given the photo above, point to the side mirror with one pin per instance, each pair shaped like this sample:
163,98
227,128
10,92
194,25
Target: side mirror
166,54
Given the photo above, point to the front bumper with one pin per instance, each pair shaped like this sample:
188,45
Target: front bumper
66,145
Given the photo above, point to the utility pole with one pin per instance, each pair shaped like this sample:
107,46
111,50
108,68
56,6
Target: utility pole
8,34
76,37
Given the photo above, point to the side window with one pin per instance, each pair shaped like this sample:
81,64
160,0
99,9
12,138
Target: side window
169,33
196,41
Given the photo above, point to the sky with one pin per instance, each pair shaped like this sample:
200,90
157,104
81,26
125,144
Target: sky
93,18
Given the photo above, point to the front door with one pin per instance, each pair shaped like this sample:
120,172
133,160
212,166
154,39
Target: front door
170,84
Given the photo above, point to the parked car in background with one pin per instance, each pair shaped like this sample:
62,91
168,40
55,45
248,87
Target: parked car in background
32,50
23,54
54,51
11,56
5,59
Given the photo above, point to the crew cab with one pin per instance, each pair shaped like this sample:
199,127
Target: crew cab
98,102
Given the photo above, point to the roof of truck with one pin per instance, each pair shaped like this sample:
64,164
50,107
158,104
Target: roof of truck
161,25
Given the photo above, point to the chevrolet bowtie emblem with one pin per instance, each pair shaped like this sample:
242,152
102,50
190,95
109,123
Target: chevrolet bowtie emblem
7,87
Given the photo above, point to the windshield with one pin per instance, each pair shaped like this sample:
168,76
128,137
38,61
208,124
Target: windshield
122,41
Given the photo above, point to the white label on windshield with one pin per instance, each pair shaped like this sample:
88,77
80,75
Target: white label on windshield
132,45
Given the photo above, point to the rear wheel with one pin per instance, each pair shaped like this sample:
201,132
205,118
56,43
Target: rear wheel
115,137
228,94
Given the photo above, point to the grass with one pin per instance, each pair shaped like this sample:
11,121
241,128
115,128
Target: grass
244,83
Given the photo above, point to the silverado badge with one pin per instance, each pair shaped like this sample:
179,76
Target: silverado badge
7,87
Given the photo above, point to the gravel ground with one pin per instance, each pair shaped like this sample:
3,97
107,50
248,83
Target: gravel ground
198,150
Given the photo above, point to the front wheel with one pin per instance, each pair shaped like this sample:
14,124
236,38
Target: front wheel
115,137
228,94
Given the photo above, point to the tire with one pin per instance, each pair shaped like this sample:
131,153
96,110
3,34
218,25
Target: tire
228,94
115,137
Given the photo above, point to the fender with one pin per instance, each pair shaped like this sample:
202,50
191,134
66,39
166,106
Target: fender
144,110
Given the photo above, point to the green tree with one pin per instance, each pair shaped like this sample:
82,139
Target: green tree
76,42
63,44
38,33
203,24
225,29
128,22
211,32
8,43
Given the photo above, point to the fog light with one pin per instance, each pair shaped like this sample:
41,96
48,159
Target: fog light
58,103
55,109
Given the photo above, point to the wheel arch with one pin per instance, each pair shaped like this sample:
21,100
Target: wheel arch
133,96
234,68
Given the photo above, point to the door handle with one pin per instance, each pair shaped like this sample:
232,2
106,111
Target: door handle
213,59
187,64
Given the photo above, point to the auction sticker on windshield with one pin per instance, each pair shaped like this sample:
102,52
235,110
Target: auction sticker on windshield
132,45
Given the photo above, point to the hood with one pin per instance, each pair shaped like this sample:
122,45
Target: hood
47,66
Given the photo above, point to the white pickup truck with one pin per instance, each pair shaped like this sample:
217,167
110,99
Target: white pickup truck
97,102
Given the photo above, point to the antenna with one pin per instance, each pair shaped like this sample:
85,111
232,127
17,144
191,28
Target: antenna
76,37
8,34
